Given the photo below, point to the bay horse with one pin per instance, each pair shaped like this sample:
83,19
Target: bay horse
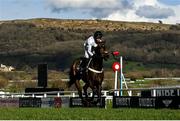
93,76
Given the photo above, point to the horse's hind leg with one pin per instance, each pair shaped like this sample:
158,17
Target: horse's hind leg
78,86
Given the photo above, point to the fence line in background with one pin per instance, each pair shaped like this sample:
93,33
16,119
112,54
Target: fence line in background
106,93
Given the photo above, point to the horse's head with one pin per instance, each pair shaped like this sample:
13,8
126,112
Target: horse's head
100,50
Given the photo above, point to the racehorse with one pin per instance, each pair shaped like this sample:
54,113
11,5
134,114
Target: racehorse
94,74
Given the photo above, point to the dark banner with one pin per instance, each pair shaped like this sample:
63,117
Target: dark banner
65,101
131,102
9,102
147,102
56,102
47,102
123,101
160,92
168,102
167,92
30,102
87,102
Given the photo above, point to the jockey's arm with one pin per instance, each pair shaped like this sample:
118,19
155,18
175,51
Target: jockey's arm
91,47
90,43
90,51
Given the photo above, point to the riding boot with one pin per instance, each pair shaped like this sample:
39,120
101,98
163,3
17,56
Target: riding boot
87,61
83,65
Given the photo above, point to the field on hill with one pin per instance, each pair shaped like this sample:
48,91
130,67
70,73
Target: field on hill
25,43
88,114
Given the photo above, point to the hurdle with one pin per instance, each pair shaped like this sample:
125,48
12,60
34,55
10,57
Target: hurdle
118,67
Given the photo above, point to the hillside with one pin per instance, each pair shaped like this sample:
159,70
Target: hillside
25,43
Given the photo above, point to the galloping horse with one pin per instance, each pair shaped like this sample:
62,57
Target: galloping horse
93,76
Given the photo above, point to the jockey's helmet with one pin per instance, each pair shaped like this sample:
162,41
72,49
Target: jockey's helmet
98,35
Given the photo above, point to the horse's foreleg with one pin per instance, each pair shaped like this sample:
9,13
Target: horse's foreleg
85,89
78,86
99,88
94,89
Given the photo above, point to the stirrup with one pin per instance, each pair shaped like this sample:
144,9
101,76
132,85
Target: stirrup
86,69
81,70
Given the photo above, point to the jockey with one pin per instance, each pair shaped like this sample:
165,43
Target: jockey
89,44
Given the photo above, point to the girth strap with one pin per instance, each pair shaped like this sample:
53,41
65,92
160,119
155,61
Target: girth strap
96,71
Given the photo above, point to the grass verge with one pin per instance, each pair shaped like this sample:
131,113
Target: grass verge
88,114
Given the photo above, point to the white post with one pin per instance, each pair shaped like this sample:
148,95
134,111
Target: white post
73,94
130,92
121,74
58,94
154,92
45,95
91,94
115,83
22,95
105,93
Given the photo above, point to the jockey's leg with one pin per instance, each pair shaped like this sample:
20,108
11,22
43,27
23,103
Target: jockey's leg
88,61
83,64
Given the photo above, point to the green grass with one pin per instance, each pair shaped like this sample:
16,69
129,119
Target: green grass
130,66
88,113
